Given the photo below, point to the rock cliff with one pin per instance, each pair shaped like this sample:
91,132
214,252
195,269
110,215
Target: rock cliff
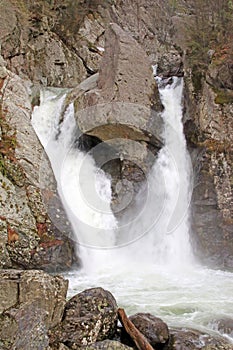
59,43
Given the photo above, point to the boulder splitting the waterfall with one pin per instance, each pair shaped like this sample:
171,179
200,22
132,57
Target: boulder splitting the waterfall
122,103
121,107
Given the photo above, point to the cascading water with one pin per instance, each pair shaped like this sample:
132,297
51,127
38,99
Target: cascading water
148,265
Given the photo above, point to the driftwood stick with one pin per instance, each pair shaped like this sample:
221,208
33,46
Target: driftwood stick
138,338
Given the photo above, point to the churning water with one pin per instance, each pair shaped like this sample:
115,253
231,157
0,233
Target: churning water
145,261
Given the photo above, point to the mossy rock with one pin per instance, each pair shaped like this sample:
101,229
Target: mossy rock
223,96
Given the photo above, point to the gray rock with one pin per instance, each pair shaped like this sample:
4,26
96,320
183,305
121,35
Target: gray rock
153,328
118,98
24,327
31,303
224,325
108,345
122,113
208,129
188,339
32,50
89,317
30,236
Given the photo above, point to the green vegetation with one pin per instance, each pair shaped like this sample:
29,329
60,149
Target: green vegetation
223,96
209,33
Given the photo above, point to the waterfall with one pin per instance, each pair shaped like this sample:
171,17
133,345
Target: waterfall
160,231
145,260
83,188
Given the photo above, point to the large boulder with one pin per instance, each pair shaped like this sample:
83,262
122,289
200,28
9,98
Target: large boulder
89,317
119,101
153,328
30,236
31,303
120,107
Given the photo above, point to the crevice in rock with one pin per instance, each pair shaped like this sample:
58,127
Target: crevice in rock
88,69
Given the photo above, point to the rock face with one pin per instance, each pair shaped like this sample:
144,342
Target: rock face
32,50
29,237
153,328
32,302
89,317
209,133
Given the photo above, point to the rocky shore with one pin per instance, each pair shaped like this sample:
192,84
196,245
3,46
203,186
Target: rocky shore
35,315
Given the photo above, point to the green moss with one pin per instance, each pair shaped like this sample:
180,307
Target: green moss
223,96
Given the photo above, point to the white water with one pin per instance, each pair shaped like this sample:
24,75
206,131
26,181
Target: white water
148,265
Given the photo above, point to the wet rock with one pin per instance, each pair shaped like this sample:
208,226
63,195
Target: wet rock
31,303
186,339
89,317
108,345
224,326
153,328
